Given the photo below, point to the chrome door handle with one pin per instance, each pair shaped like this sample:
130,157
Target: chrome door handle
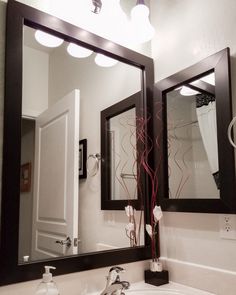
66,242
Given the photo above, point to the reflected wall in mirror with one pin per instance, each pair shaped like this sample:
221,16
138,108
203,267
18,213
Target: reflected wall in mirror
192,140
62,98
120,163
193,110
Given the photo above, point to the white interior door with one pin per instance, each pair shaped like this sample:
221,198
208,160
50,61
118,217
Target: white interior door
55,205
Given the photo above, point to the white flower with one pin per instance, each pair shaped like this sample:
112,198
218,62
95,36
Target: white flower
157,213
129,228
149,229
129,210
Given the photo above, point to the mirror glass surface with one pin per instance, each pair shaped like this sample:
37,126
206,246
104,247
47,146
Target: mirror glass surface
193,166
62,99
123,155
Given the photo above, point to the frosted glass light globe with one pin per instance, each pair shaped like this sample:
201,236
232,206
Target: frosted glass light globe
141,27
186,91
47,40
78,51
105,61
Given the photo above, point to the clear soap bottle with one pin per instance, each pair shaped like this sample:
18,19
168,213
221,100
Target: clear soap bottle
47,286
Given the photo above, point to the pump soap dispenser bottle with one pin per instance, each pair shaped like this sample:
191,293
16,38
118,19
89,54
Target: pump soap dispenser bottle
47,286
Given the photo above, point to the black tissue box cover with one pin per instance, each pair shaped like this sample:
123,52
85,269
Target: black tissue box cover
156,278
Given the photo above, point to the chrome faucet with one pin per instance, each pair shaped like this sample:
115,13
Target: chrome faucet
114,285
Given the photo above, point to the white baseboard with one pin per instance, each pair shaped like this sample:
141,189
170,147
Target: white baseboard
211,279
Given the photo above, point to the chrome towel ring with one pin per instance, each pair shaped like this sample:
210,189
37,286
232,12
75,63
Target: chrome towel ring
230,133
94,170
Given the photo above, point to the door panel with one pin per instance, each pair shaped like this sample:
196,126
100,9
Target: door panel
55,209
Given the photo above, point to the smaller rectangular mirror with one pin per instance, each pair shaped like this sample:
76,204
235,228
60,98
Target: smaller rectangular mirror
123,154
192,111
192,140
119,155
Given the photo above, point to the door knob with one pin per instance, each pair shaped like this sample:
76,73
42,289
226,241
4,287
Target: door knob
66,242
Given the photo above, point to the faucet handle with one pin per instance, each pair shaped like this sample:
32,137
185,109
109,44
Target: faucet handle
114,274
116,269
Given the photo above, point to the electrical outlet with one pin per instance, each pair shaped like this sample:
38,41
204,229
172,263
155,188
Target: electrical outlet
228,226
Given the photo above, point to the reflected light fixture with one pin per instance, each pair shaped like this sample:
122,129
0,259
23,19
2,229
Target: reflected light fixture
78,51
186,91
142,30
47,40
105,61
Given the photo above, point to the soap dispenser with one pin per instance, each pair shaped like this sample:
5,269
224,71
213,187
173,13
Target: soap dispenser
47,286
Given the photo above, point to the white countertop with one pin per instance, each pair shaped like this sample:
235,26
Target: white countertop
170,287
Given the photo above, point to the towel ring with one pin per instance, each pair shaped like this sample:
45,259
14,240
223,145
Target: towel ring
229,132
95,169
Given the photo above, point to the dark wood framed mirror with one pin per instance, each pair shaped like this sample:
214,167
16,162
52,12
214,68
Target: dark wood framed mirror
197,170
119,153
21,20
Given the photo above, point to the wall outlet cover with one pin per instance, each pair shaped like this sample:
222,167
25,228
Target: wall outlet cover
228,226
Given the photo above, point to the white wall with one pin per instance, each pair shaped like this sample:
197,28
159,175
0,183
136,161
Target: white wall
35,82
186,32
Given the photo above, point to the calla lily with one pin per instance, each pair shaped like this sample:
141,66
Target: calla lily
157,213
129,210
149,229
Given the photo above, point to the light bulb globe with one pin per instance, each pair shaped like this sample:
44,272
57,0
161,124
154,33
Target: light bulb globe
78,51
47,40
142,30
105,61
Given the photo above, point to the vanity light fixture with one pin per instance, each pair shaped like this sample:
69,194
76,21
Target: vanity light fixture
114,24
142,30
78,51
47,40
105,61
97,6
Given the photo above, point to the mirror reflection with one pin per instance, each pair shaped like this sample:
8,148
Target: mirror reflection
123,155
192,140
64,92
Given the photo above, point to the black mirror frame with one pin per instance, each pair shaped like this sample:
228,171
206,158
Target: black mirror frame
107,203
220,64
17,15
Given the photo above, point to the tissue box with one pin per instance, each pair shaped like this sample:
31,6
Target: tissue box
156,278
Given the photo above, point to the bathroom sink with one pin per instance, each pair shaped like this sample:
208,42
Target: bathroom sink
141,288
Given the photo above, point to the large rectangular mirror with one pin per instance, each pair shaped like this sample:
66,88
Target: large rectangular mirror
194,110
53,103
63,95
